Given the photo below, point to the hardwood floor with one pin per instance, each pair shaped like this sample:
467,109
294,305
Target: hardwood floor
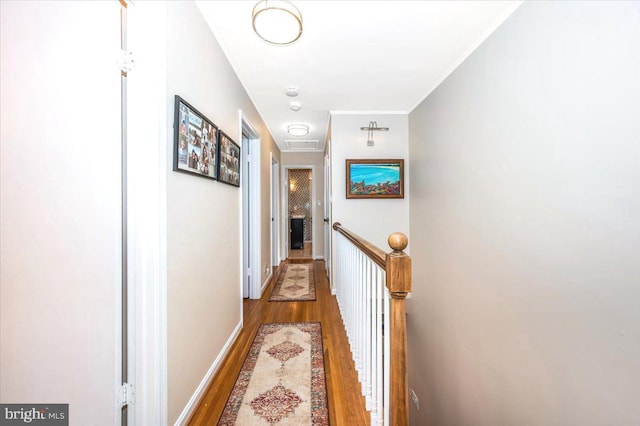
304,253
346,404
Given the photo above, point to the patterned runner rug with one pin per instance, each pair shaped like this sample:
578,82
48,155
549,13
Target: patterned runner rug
282,380
295,283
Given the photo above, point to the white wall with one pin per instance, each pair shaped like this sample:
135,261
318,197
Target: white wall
525,225
60,206
203,217
315,159
372,219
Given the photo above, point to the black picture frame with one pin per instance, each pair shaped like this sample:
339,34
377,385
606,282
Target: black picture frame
228,160
195,142
375,178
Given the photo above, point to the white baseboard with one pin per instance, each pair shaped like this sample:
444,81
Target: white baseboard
318,257
333,291
206,380
265,283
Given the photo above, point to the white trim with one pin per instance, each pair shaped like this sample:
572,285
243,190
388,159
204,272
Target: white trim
326,213
149,102
265,283
318,257
118,282
208,377
254,202
244,221
274,217
468,52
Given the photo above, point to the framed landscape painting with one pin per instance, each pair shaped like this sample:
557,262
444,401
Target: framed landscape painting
195,141
375,178
229,162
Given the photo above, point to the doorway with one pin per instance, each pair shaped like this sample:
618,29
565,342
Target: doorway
275,213
300,203
250,171
327,213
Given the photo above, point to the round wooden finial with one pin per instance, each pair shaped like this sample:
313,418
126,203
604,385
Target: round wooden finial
398,241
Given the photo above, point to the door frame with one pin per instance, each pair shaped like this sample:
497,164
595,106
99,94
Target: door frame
275,211
327,213
147,213
285,209
250,285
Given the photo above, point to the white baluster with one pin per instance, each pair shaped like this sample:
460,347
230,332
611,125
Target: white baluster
349,284
360,317
374,345
380,346
361,328
387,355
367,334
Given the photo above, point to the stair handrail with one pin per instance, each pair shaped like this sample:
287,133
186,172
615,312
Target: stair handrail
397,265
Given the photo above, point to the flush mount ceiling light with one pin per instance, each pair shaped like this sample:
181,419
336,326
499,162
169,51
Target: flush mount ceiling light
373,127
295,106
298,129
277,22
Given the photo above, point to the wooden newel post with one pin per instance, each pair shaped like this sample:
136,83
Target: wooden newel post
399,284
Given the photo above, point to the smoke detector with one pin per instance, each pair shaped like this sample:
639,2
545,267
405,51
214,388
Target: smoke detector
292,92
295,106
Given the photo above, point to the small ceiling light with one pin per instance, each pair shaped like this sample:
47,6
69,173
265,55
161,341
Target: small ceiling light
295,106
292,92
298,129
277,22
373,127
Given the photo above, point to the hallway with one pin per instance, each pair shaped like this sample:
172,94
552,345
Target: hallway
122,275
346,405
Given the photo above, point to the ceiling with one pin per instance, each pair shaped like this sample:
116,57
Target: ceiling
353,56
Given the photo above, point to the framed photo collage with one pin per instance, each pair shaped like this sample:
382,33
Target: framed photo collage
201,148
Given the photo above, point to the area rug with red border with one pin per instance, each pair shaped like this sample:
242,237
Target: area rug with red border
282,381
295,283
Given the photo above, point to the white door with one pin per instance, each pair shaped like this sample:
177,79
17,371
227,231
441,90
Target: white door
250,183
275,215
327,213
60,206
246,208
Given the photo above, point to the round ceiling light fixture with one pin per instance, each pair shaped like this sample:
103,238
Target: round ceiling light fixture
277,22
298,129
295,106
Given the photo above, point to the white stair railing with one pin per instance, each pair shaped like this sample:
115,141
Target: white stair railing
362,287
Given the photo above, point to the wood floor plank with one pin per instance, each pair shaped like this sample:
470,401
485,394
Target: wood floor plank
346,404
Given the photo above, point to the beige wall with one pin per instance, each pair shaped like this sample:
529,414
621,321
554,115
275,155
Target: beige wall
204,217
525,225
317,160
